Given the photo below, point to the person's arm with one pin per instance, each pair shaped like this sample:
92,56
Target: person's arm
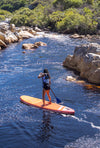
41,75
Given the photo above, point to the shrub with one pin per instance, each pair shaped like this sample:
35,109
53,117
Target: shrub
54,18
68,3
20,20
2,17
75,22
11,5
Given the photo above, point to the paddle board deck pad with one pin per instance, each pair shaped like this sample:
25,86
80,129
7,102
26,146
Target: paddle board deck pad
52,107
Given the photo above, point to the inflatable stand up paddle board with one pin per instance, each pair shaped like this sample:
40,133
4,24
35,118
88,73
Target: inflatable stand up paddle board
52,107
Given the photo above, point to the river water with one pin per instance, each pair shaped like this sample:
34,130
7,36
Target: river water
23,126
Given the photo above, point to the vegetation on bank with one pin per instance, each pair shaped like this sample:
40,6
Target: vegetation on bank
4,14
64,16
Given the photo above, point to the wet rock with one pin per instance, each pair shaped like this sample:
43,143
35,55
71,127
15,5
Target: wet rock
33,46
28,46
86,60
40,44
70,78
24,52
2,44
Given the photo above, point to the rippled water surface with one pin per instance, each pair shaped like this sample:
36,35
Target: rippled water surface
23,126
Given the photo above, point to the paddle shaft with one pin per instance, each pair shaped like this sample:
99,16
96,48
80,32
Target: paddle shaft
53,93
57,100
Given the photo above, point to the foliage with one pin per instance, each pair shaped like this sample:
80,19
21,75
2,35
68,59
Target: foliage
2,17
20,20
21,16
90,1
75,22
32,17
65,4
4,14
65,16
11,5
54,18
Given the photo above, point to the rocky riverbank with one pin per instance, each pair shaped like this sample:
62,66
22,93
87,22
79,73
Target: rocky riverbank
10,33
86,60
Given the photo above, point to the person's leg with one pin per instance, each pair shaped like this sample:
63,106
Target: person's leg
48,94
43,96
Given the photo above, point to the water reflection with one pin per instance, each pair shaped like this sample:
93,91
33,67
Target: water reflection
45,128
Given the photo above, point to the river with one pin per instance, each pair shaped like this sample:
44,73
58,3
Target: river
23,126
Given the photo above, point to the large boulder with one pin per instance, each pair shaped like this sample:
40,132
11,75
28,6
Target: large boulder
10,37
86,60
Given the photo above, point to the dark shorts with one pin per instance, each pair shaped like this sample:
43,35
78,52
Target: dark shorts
46,86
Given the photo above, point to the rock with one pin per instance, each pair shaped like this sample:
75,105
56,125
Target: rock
2,36
70,78
32,32
33,46
40,44
4,27
24,35
75,36
28,46
38,29
10,37
86,60
23,52
12,27
2,44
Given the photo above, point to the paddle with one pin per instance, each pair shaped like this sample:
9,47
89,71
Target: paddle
57,100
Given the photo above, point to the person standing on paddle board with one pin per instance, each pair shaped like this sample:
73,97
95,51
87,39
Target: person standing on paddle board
46,84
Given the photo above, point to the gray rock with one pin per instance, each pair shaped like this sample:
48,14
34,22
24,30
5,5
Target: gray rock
86,60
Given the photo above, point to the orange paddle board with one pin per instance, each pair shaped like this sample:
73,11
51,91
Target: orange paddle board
52,107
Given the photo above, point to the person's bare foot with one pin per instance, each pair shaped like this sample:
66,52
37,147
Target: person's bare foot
43,105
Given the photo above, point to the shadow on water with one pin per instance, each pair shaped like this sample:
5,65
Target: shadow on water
45,128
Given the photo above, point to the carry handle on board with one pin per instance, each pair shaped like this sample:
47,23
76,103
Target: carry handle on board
57,100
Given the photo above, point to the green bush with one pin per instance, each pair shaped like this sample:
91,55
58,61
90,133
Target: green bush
11,5
20,20
29,17
75,22
90,1
4,14
23,11
54,18
2,17
65,4
70,22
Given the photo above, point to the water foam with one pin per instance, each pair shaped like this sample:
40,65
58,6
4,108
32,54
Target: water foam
85,142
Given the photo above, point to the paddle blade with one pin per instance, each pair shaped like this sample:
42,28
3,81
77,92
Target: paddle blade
58,100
